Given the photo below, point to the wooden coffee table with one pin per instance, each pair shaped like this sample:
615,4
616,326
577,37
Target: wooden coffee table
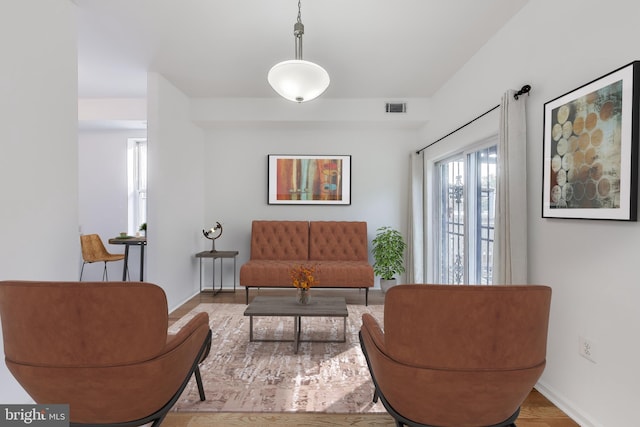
288,306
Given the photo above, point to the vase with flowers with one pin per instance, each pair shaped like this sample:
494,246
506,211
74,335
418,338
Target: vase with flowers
302,278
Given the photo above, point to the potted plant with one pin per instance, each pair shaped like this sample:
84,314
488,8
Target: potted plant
388,255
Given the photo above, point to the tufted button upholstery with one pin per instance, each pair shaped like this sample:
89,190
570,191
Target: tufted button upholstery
280,240
338,241
338,249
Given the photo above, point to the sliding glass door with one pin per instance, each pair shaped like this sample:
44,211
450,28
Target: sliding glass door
465,216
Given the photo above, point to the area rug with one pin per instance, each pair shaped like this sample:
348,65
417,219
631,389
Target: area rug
243,376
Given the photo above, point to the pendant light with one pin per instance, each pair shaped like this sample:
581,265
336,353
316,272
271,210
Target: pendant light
298,80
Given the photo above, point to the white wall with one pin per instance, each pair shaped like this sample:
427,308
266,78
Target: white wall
176,183
591,265
103,196
38,164
554,46
236,177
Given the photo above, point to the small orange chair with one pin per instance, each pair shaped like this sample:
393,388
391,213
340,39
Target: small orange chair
457,356
93,250
102,348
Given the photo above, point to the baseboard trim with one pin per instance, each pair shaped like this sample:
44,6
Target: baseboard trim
180,304
565,405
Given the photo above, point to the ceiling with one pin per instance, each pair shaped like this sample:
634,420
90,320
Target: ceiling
211,48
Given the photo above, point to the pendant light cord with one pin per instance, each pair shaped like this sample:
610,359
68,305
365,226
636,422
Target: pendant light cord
298,31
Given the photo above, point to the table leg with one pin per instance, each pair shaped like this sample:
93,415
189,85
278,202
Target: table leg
235,258
251,328
221,282
126,263
200,274
296,334
213,276
344,330
142,263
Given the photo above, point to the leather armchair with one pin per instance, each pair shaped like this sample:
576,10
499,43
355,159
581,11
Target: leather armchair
463,356
102,348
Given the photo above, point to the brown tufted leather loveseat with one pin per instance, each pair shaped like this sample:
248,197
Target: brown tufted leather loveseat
339,249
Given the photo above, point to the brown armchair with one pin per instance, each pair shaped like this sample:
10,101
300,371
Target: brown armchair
102,348
458,356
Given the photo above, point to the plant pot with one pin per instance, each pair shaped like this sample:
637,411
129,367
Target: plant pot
386,284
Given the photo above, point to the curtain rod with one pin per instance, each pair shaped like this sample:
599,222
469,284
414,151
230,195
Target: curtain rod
525,89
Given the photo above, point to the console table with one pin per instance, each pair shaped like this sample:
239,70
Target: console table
214,255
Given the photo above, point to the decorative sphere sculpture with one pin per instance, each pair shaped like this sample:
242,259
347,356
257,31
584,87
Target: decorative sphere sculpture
210,234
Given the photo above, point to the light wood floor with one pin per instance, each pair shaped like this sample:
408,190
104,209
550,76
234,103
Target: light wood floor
537,411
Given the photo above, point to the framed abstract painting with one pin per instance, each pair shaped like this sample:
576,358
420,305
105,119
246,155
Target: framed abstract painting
309,180
590,160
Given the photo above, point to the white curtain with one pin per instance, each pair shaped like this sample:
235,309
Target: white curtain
510,239
415,232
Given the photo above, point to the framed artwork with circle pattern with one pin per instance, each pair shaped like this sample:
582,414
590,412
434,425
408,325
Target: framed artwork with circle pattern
590,160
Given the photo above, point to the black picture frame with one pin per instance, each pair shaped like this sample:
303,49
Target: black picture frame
590,150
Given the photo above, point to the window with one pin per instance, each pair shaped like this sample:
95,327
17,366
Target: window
137,177
465,216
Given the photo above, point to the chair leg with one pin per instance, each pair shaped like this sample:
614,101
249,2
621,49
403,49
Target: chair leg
196,373
105,273
82,270
159,421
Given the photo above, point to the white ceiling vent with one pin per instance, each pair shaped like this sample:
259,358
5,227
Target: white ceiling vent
397,107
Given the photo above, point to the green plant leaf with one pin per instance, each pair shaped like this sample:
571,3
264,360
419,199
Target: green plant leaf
388,252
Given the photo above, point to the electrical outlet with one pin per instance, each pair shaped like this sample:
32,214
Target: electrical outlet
587,349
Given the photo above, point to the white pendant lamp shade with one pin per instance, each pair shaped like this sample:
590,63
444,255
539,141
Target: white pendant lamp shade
298,80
